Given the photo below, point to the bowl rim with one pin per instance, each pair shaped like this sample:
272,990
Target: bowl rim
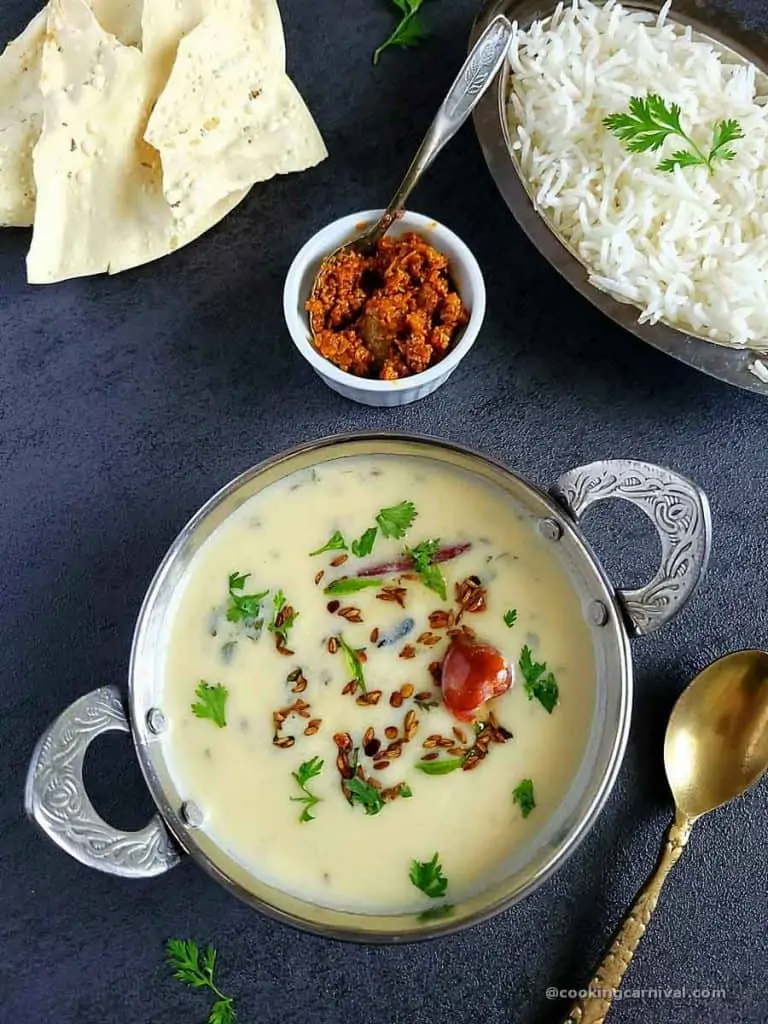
298,326
602,778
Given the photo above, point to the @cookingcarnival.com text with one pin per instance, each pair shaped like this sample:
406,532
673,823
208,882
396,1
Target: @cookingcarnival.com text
663,992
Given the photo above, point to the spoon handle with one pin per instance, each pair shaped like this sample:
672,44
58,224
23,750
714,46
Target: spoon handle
593,1008
477,73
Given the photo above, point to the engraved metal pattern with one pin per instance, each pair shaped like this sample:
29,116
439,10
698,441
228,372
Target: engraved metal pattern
57,801
678,510
481,68
594,1007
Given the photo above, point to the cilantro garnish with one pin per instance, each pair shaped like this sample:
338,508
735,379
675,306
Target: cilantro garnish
364,545
243,607
336,543
280,625
354,664
510,617
211,703
351,585
522,795
396,520
364,794
650,122
543,687
183,956
429,574
306,771
428,876
410,30
442,767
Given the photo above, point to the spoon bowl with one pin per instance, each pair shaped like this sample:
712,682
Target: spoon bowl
716,745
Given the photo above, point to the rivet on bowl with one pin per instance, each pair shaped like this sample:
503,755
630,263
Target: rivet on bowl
597,613
550,529
156,721
191,814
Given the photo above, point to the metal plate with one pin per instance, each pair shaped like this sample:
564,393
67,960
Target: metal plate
730,365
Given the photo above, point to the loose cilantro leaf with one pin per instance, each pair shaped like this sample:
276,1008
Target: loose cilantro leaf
350,585
650,122
437,913
543,687
191,968
364,546
212,702
510,617
405,790
429,574
336,543
306,771
522,795
442,767
398,519
281,626
364,794
410,30
243,607
354,664
428,876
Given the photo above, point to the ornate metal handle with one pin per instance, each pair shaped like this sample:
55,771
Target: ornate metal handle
56,800
593,1008
677,508
477,73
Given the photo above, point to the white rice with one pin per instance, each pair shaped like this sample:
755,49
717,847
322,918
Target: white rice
687,247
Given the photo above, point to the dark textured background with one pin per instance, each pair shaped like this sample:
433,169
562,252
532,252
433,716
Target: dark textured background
126,402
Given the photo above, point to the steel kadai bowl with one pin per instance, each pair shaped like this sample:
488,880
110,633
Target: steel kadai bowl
56,798
725,31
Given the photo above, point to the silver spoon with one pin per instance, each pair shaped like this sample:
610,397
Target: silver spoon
477,73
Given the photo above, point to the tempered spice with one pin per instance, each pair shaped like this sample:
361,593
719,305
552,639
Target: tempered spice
389,314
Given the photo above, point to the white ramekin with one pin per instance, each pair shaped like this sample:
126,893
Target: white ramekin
466,275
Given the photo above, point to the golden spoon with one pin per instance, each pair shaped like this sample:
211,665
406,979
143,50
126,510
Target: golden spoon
716,747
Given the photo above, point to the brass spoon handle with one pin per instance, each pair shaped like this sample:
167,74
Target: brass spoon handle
478,71
594,1007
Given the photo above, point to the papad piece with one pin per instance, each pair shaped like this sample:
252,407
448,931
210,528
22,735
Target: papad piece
166,22
21,103
121,18
21,118
228,118
100,205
